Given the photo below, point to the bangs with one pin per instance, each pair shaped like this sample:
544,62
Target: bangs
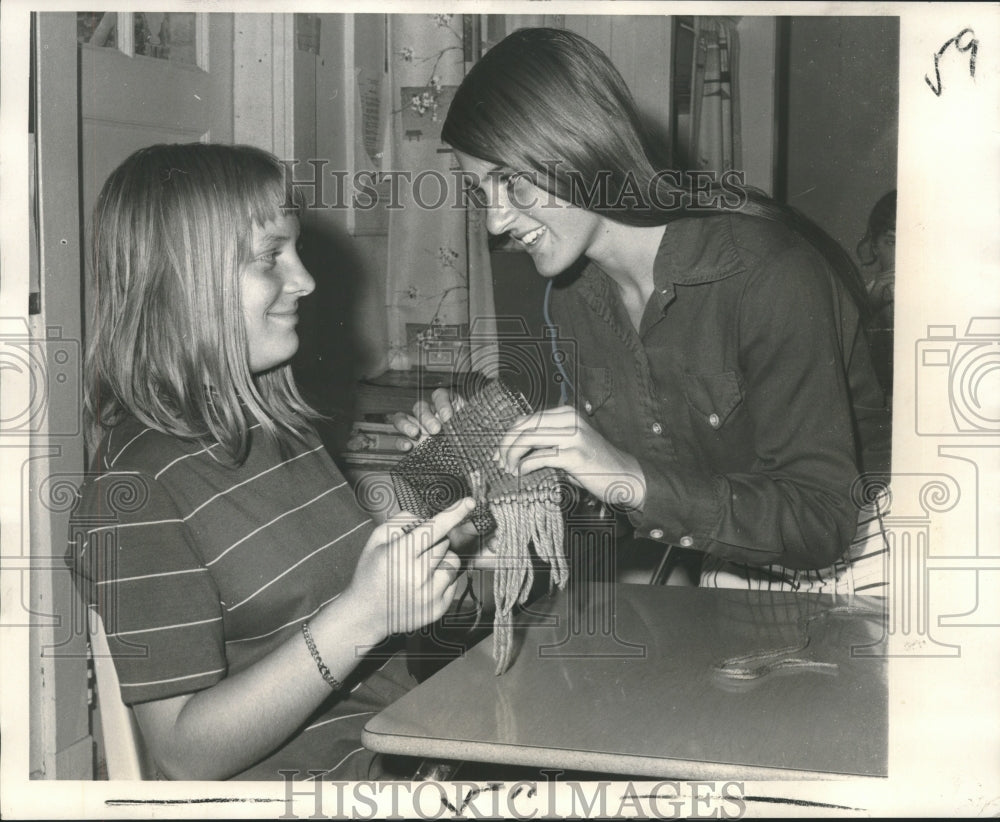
262,193
272,195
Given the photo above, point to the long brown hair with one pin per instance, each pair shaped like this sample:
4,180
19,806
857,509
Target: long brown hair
550,103
171,234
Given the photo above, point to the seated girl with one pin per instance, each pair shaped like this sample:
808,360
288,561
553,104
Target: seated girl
252,608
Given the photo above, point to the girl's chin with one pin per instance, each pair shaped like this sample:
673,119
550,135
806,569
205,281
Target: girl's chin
550,268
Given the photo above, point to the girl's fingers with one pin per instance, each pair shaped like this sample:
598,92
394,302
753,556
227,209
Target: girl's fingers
450,592
427,417
396,526
401,519
449,564
408,426
434,532
514,449
544,458
445,404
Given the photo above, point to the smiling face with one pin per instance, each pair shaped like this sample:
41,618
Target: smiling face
270,288
554,232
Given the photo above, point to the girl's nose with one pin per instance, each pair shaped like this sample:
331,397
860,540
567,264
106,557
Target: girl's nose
299,280
500,213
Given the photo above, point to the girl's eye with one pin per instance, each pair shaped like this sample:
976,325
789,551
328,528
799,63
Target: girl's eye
269,257
477,196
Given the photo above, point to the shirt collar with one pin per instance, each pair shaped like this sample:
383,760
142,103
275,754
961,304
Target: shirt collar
696,250
693,250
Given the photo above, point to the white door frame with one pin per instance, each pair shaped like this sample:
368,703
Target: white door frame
61,745
263,82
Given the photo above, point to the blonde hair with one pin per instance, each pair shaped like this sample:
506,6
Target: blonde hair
172,232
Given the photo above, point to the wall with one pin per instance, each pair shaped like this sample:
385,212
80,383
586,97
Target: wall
842,119
343,329
757,91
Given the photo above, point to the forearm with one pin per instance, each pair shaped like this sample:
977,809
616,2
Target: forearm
226,728
753,518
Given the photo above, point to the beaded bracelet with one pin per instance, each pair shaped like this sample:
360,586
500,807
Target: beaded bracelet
331,680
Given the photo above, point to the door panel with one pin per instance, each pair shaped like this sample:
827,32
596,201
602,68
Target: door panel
127,101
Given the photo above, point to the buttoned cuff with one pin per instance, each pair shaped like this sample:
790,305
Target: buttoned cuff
680,508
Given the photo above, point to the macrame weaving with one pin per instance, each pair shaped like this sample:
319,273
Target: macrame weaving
525,511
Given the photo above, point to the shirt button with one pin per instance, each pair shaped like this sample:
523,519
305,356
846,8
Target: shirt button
714,420
656,533
588,407
657,428
686,542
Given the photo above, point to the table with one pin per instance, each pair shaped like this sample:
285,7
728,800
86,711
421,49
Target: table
622,678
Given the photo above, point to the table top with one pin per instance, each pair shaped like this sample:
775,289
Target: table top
625,679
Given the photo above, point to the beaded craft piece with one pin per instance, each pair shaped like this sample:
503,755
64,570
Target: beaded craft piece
524,511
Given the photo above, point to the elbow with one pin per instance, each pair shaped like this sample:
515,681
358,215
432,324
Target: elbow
182,766
821,546
181,759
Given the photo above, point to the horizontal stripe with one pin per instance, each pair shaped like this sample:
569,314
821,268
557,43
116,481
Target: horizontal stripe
151,576
296,621
184,457
274,520
107,474
167,627
342,761
194,454
251,479
297,564
184,519
92,531
338,718
132,525
172,679
126,445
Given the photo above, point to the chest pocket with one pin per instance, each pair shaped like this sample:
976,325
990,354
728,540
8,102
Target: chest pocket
594,388
713,397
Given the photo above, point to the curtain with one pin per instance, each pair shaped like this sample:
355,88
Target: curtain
438,279
714,135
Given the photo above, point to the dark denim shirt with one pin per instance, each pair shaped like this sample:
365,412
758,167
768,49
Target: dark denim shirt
742,394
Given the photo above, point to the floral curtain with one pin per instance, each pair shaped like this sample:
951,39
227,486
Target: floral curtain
715,115
439,282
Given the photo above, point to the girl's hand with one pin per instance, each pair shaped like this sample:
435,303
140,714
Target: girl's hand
407,579
427,418
561,438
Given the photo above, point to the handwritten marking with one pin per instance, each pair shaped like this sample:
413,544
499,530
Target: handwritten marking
971,46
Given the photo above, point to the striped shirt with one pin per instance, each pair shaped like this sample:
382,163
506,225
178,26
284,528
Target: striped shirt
199,569
862,570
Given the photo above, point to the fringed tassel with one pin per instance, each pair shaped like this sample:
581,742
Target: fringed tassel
531,516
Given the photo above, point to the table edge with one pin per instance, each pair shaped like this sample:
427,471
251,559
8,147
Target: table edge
563,759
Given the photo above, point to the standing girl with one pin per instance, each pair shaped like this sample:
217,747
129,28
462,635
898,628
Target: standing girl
724,398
